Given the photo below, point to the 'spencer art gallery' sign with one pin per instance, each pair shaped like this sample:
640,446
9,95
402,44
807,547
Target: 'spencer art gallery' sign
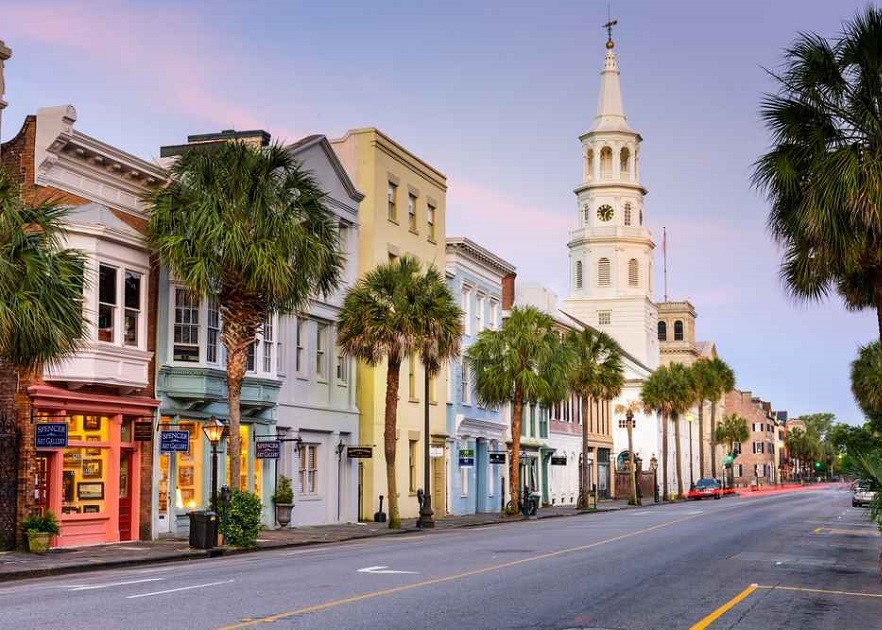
50,435
267,449
174,441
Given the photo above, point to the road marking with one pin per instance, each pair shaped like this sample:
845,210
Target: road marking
842,531
175,590
818,590
382,569
722,610
92,587
449,578
817,530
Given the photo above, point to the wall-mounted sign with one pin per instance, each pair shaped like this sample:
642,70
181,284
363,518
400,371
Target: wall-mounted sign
267,449
359,452
174,441
497,458
143,431
466,457
558,460
50,435
436,451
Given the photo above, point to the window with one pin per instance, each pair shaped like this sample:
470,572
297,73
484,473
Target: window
479,313
494,315
578,274
466,384
392,198
411,464
633,272
450,372
678,330
533,420
280,363
662,331
738,470
211,350
604,318
467,310
736,448
411,212
586,213
342,368
106,302
411,377
321,350
430,221
249,360
627,214
464,478
132,297
299,330
603,272
186,328
268,345
543,422
309,468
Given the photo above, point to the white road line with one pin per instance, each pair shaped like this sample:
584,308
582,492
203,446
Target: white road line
92,587
183,588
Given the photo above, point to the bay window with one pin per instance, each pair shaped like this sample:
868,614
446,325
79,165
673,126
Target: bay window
132,300
106,302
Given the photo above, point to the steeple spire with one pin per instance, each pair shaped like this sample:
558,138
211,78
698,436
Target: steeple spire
610,112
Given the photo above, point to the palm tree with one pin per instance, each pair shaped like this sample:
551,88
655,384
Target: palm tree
394,311
248,226
724,379
732,430
596,373
706,388
670,392
822,175
523,362
41,308
866,381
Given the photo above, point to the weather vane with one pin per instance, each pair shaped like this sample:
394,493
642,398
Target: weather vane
609,26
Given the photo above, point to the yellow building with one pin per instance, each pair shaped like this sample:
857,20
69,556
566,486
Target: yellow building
402,213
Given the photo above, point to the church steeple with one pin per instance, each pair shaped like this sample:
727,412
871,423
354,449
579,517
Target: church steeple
610,112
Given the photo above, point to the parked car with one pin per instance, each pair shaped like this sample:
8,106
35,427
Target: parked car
705,489
863,493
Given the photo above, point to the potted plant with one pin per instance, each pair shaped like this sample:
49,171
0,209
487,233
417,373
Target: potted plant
40,529
283,498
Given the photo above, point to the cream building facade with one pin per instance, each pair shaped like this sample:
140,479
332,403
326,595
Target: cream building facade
402,212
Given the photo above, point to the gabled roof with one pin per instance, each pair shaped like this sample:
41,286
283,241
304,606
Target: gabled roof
101,219
322,141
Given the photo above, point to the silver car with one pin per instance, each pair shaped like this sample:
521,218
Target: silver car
862,494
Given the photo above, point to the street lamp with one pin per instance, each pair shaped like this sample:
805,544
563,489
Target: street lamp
689,419
214,431
425,520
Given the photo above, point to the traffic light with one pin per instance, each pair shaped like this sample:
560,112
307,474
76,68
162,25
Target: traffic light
728,460
818,465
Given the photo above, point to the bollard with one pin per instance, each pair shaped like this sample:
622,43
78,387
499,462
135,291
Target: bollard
380,515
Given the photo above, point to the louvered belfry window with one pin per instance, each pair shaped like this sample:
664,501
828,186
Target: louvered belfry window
603,272
633,272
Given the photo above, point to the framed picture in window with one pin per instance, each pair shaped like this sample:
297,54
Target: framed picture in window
91,423
93,469
90,490
91,509
185,476
93,451
67,486
74,437
73,457
188,496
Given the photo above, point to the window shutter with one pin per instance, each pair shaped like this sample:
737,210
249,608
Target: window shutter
633,272
603,272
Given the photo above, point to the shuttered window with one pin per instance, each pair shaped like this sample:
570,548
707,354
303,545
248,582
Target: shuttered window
633,272
603,272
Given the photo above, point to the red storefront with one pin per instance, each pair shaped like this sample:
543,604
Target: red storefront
94,484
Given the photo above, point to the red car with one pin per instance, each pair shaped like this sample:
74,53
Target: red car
705,489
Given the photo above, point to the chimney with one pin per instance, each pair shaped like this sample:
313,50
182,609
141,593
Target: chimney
508,291
255,137
5,53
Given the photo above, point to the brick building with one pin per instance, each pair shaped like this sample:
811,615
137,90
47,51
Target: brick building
756,460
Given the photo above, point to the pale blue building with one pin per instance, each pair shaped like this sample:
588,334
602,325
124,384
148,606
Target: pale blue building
477,435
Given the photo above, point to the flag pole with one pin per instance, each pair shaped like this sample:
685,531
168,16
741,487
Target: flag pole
665,258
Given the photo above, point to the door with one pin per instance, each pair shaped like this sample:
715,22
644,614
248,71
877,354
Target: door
439,486
481,467
125,495
41,482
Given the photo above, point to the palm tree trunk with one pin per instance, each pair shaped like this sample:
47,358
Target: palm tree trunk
237,362
514,463
677,457
877,300
633,466
393,375
701,439
713,436
585,485
665,457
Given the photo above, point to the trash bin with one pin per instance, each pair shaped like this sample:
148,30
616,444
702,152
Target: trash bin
203,530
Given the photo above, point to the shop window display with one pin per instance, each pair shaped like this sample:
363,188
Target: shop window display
245,462
84,464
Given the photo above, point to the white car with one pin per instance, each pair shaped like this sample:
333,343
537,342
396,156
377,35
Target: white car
862,495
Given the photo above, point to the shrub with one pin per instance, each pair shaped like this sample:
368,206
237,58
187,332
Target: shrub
284,492
44,523
241,519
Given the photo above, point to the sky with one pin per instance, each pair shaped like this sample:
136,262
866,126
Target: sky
495,95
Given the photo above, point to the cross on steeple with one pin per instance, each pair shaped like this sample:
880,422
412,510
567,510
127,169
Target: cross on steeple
609,27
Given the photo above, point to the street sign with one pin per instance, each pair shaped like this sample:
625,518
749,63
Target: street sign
436,451
174,441
143,431
50,435
267,449
558,460
497,458
467,457
359,452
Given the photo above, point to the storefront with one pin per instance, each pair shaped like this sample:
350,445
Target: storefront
93,485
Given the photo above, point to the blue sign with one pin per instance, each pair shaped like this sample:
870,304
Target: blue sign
50,435
174,441
267,449
467,457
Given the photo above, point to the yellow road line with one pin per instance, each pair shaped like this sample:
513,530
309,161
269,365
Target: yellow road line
819,590
449,578
817,530
722,610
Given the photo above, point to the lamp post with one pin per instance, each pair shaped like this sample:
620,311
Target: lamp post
629,422
425,521
689,419
214,431
653,466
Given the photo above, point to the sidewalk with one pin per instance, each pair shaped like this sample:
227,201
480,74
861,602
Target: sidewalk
16,565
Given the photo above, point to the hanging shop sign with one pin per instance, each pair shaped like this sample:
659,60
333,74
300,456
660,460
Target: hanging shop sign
143,432
267,449
436,451
50,435
359,452
174,441
497,457
467,457
558,460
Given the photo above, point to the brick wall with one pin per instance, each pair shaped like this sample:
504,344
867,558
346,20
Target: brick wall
743,404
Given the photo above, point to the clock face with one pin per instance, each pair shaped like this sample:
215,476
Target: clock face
605,212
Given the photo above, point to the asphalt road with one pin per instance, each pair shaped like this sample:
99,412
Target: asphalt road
799,560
